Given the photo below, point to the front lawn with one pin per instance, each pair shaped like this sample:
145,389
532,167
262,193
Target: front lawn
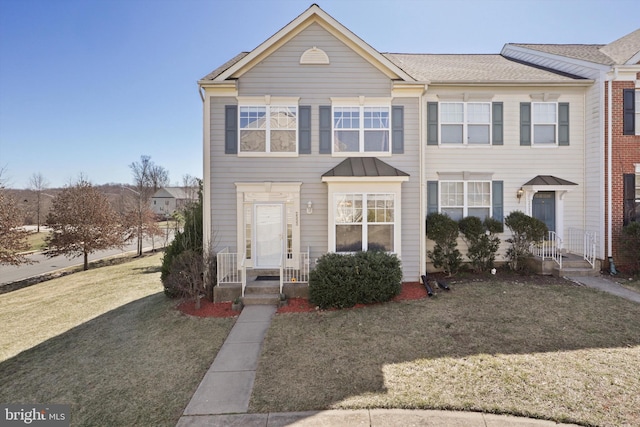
545,349
108,342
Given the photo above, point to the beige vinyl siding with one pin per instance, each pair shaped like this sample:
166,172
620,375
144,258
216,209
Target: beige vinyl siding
280,74
515,164
594,188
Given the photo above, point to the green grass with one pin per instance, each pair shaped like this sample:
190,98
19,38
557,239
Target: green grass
553,351
36,240
108,342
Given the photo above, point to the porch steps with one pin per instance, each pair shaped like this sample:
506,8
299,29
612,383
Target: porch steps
262,292
576,266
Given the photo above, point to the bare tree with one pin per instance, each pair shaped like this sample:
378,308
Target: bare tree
82,222
190,186
38,184
147,179
13,239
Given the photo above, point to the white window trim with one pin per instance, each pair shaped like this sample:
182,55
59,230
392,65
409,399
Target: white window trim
361,102
465,194
268,101
465,125
366,187
534,123
365,223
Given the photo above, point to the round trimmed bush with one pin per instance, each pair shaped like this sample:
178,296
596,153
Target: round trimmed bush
341,281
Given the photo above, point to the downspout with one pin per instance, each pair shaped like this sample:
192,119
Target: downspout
422,210
609,163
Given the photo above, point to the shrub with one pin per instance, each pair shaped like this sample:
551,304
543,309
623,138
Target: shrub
341,281
186,279
444,232
481,240
631,244
525,230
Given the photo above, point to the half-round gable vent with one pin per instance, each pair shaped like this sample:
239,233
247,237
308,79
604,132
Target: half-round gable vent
314,56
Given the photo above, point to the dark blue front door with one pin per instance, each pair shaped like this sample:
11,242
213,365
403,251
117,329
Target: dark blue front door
544,208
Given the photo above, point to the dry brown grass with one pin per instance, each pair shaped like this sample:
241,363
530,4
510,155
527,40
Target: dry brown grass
552,351
108,342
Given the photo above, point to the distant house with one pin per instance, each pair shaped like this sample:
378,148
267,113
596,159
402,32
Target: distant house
167,200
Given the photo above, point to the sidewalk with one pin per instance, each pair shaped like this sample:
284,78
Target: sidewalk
605,285
366,418
222,398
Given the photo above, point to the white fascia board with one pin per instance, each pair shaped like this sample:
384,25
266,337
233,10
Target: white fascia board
520,83
635,59
228,88
316,15
560,58
624,73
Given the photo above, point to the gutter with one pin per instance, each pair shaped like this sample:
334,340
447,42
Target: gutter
609,160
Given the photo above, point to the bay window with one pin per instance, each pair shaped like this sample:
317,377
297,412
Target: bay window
364,221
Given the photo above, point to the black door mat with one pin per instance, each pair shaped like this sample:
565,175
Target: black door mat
268,278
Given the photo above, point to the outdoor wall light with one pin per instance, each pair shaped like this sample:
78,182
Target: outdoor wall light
309,207
519,194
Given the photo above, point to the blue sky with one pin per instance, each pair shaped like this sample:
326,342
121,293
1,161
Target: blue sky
88,86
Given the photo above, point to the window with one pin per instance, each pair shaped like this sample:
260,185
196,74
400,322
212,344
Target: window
544,119
364,222
268,129
361,129
465,122
459,199
637,111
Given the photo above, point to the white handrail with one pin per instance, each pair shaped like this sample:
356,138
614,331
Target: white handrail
243,272
549,248
584,243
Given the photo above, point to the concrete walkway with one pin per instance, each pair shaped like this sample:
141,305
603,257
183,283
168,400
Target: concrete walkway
227,385
605,285
222,398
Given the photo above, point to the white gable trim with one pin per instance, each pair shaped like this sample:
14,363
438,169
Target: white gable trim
314,15
509,48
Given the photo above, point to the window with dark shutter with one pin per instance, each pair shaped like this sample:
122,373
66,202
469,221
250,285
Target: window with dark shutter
628,118
629,194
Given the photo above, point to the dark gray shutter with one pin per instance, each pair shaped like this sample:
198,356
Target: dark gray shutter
432,197
432,123
497,137
304,129
230,129
563,123
325,129
525,123
628,114
497,194
397,129
629,193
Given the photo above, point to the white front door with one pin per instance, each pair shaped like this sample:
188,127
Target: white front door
268,235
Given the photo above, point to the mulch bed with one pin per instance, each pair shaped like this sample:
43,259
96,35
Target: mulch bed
410,291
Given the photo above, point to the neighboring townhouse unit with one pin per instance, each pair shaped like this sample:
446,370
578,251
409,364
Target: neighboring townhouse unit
613,106
315,142
503,136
